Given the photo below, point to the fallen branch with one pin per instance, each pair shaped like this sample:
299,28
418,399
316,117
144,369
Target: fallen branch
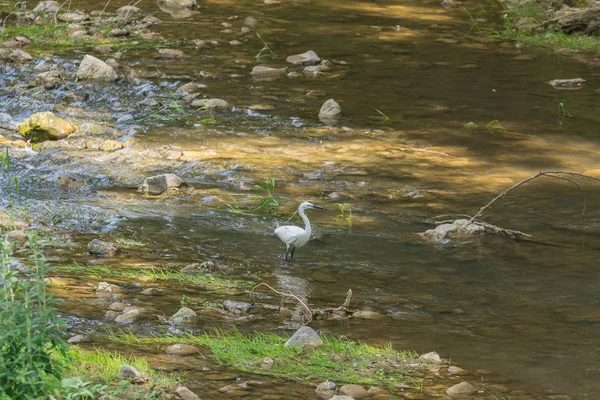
309,312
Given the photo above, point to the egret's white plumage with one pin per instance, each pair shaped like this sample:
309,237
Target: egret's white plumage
294,236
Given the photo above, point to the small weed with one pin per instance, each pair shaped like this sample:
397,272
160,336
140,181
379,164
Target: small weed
266,51
470,125
266,202
12,182
383,116
494,126
562,112
345,213
210,119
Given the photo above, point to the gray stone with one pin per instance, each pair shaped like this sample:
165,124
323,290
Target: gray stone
128,12
179,3
576,83
93,68
459,228
306,338
19,56
308,58
330,111
262,72
129,316
198,268
73,17
47,7
186,394
326,390
171,53
78,339
118,32
184,316
117,306
431,358
354,391
45,126
366,314
105,287
182,349
190,88
454,370
110,145
68,183
461,389
152,292
156,185
341,397
99,247
131,374
214,104
7,122
237,305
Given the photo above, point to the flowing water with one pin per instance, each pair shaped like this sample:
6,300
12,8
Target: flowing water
527,310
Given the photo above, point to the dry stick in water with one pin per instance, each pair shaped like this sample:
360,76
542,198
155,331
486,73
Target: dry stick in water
549,174
309,311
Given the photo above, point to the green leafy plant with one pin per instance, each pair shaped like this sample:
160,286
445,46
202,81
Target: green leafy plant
12,182
494,126
266,51
76,388
266,201
345,213
32,351
210,119
470,125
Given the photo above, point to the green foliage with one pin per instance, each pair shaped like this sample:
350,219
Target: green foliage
265,201
266,51
494,126
32,351
337,360
470,125
383,116
345,213
12,182
76,388
562,112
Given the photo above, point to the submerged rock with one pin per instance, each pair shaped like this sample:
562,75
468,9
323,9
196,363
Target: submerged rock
178,3
458,228
157,185
66,182
330,111
454,370
47,7
354,391
182,349
237,305
184,316
576,83
308,58
171,53
263,72
93,68
19,56
110,145
461,389
129,316
45,126
99,247
190,88
105,287
214,104
186,394
306,338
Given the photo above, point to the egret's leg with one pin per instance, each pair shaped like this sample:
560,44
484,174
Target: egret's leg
293,250
287,248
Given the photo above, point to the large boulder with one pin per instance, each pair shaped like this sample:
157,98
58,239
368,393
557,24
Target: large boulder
45,126
330,111
305,338
92,68
157,185
178,3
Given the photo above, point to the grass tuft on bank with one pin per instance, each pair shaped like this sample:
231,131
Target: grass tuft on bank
342,361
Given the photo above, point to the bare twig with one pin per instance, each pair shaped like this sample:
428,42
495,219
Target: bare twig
309,313
549,174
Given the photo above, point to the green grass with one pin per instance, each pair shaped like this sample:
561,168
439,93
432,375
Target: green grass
342,361
157,273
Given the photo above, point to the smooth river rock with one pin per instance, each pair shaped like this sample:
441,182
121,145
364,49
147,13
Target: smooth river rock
99,247
47,7
461,389
326,390
213,104
186,394
128,12
156,185
262,72
236,305
131,374
306,338
45,126
459,228
308,58
330,111
431,357
184,316
92,68
178,3
355,391
182,349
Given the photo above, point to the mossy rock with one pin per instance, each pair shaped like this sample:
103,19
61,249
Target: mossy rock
45,126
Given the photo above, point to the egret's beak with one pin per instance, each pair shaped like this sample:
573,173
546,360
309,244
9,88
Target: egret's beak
318,208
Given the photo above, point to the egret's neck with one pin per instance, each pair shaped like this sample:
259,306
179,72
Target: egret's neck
306,221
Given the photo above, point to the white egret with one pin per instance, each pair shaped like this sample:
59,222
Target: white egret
294,236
